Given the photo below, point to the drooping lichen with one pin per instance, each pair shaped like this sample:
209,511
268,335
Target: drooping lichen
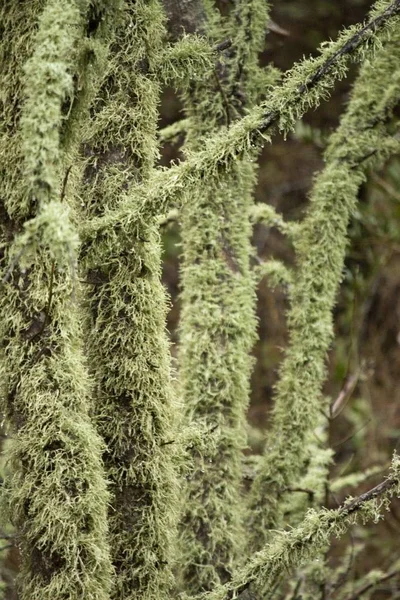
361,140
127,345
57,495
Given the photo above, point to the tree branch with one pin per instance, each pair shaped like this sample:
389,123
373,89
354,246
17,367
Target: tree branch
276,271
368,586
267,215
290,548
301,89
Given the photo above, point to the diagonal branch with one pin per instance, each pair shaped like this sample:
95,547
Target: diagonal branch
303,87
290,548
371,584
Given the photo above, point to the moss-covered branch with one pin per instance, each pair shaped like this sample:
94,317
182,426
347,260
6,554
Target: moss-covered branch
289,549
57,494
320,248
172,132
217,327
303,87
267,215
190,58
127,345
276,272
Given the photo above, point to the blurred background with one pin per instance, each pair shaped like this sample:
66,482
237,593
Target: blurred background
364,361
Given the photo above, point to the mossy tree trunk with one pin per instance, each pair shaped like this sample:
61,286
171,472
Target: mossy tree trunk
127,346
57,495
218,322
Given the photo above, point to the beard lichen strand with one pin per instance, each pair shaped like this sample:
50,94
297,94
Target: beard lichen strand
217,331
56,495
127,344
20,21
47,85
320,249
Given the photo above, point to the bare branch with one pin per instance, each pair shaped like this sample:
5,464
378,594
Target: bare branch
368,586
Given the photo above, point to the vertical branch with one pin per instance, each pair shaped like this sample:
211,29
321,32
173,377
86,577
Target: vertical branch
127,343
360,141
217,329
57,495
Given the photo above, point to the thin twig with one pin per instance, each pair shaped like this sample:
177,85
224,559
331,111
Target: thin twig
311,493
346,439
378,490
389,189
344,395
223,45
369,586
64,183
350,46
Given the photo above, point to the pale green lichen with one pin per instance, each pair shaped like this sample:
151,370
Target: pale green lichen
303,87
190,59
172,132
56,494
217,332
53,57
312,488
289,549
48,87
267,215
218,323
276,272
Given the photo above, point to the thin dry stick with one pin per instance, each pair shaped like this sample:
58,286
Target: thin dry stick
368,586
